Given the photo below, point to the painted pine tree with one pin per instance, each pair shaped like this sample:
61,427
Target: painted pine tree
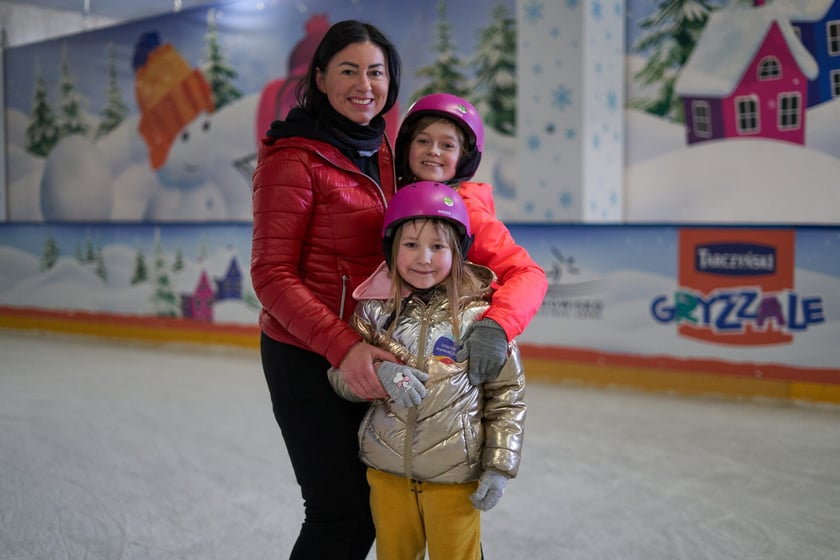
444,74
164,299
669,35
90,250
100,270
50,254
218,72
141,273
42,132
494,92
71,118
178,265
115,109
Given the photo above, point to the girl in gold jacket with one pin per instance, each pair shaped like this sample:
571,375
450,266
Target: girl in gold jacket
440,449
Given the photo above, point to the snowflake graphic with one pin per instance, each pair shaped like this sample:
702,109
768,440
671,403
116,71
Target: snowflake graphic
561,97
533,11
534,142
555,32
566,199
570,133
596,10
537,69
571,4
612,100
618,9
596,141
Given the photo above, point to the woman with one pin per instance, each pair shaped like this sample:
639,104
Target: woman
321,185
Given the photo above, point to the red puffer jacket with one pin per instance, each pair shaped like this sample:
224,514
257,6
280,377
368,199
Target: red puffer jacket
317,235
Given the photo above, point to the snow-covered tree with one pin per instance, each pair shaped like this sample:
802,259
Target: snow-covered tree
178,265
141,274
42,132
444,74
100,269
90,250
669,35
51,253
202,251
71,118
218,72
250,299
115,109
164,299
494,93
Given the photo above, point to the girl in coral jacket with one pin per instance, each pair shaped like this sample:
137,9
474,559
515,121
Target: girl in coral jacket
441,139
440,449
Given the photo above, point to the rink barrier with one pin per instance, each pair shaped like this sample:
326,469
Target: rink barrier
667,374
660,374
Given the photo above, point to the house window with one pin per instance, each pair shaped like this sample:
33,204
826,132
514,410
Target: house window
789,113
747,115
835,83
833,36
701,115
769,68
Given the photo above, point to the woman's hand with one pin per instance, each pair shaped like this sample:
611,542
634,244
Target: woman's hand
357,370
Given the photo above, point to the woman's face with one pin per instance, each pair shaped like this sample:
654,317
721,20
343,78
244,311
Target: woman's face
355,82
434,152
424,257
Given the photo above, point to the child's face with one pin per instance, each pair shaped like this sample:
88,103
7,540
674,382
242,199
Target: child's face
434,152
424,257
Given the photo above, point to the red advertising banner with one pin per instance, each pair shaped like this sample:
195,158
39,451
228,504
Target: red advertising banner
737,286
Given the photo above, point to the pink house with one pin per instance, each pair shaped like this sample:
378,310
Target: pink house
199,304
747,77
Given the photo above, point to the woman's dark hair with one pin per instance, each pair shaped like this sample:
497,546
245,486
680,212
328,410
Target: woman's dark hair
339,36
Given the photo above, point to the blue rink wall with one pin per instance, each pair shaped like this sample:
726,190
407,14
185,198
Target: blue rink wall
741,311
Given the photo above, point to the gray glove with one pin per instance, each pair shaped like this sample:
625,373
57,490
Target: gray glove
487,349
403,383
491,486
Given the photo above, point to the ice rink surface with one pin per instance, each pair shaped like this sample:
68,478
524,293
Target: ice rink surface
127,452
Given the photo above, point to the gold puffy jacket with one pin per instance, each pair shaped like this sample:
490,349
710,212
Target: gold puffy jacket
458,430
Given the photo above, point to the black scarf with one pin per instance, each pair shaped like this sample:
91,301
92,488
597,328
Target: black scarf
358,142
363,139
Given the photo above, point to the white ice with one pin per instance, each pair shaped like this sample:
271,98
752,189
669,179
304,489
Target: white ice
124,451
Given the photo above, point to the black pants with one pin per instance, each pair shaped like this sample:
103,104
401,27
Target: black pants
320,430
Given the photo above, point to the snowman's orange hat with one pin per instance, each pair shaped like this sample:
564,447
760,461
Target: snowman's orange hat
169,93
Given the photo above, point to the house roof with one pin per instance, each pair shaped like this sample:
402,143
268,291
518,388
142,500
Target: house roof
729,43
803,10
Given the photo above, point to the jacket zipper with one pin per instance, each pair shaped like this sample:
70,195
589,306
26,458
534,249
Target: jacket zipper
343,296
358,172
411,419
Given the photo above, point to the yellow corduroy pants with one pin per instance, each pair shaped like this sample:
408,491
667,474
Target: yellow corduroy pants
411,515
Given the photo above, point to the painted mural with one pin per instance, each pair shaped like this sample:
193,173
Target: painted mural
755,296
733,111
158,120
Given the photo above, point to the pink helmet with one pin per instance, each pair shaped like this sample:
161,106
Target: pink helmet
426,199
462,113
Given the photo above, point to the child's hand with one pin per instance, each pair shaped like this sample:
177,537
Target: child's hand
403,383
491,487
487,349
